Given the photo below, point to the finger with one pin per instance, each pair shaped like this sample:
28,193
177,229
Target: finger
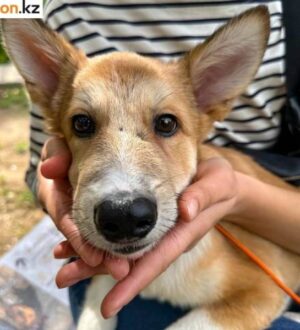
91,255
144,272
64,250
78,270
116,267
75,272
146,269
54,146
56,159
56,197
214,183
59,209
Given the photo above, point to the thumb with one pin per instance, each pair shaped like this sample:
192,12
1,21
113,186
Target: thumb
214,183
56,159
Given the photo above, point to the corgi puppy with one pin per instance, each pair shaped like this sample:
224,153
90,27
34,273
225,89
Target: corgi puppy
135,127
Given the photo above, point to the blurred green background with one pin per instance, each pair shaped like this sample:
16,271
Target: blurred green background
18,212
3,56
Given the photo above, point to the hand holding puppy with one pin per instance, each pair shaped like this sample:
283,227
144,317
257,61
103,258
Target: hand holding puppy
213,194
55,194
167,158
217,191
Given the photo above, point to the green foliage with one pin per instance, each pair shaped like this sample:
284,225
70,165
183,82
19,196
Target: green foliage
2,180
13,96
25,197
21,147
3,56
22,198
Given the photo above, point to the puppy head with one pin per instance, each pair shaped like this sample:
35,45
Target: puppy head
133,124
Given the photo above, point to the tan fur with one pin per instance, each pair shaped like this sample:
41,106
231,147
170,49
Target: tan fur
123,92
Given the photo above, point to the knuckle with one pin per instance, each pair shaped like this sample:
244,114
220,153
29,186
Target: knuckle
52,147
203,197
227,177
71,235
201,193
47,147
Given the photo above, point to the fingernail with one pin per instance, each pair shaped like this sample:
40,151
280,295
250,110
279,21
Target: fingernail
56,251
193,208
68,283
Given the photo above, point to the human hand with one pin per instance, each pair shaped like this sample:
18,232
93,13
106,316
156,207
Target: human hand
55,194
214,194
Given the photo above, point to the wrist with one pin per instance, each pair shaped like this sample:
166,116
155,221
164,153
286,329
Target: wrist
245,187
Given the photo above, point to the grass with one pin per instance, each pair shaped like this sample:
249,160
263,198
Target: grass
3,56
18,211
20,198
2,180
13,96
26,197
21,147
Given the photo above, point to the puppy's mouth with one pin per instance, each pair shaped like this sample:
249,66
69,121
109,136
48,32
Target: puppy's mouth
130,249
122,225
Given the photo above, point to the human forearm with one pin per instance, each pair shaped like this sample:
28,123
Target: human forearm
269,211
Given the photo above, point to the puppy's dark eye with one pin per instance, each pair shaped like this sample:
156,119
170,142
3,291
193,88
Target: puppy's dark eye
166,125
83,125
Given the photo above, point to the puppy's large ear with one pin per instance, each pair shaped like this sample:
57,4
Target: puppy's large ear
44,59
221,68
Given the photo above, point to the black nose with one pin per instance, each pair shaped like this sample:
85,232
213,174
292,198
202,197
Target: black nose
123,219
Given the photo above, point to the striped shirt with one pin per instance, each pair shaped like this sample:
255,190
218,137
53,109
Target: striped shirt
166,30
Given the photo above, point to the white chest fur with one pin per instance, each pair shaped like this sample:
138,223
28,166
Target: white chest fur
184,283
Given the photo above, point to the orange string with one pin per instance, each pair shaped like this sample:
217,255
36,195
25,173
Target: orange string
259,262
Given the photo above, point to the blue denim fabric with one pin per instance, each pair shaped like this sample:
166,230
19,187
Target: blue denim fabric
76,298
148,314
284,324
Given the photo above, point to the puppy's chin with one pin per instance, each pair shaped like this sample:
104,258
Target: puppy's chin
132,252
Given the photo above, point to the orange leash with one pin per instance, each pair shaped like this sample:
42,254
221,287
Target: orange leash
259,262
